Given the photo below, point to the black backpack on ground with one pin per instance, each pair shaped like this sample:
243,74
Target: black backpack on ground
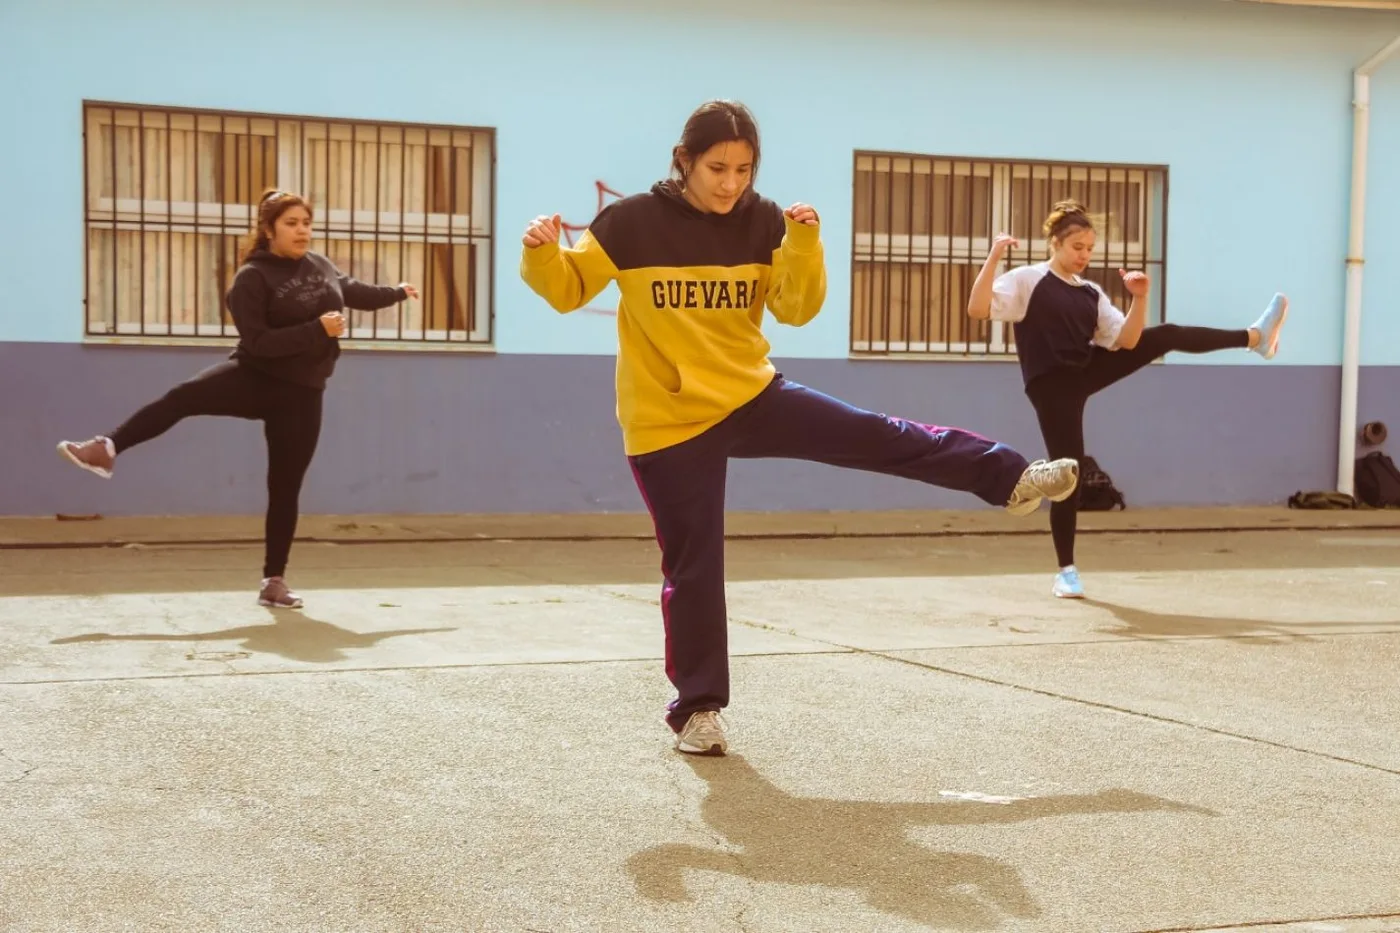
1377,481
1096,490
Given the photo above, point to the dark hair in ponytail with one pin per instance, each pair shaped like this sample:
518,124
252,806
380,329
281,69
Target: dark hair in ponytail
712,123
272,205
1066,217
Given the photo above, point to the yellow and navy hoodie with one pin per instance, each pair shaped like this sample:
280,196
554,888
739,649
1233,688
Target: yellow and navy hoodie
694,285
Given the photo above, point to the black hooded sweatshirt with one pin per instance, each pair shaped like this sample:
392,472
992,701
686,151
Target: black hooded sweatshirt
277,303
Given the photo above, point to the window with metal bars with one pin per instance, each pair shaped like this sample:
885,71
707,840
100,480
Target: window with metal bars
171,192
923,226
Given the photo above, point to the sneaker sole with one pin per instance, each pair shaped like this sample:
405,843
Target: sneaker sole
1066,595
271,605
714,751
67,454
1282,316
1022,509
1272,350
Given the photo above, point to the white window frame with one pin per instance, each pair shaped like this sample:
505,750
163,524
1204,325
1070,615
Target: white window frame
294,135
877,248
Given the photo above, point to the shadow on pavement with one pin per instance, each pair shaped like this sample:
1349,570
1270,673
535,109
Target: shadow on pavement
291,635
774,837
1145,624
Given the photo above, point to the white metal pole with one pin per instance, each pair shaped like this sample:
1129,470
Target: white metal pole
1356,259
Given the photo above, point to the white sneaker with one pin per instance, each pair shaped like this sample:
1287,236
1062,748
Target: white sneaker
1269,325
703,735
1044,479
96,455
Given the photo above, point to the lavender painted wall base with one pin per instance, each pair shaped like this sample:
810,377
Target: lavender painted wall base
442,433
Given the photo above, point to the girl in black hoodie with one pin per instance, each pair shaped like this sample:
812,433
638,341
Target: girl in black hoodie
287,304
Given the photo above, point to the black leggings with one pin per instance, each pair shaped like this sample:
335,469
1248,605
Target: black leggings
291,417
1059,397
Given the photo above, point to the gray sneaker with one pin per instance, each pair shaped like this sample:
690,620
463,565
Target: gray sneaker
96,456
703,735
1044,479
276,595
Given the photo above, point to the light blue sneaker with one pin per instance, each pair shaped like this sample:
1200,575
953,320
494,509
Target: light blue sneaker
1067,585
1269,325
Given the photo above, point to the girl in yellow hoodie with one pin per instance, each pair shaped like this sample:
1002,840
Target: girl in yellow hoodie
697,259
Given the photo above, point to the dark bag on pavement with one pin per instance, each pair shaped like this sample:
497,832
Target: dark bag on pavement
1096,490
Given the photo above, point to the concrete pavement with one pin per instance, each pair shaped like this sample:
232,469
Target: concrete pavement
465,736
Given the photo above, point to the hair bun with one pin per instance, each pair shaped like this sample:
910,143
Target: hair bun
1068,207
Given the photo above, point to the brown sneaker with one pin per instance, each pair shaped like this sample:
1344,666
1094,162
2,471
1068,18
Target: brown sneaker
276,595
96,456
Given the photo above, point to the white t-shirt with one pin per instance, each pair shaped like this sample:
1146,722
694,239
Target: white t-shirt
1057,323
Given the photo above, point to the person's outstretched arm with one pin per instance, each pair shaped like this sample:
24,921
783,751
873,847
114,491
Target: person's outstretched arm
361,297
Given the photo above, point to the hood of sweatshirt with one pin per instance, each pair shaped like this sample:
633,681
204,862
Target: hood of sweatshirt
670,192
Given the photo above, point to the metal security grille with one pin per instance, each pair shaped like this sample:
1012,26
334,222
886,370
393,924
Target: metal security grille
923,226
170,192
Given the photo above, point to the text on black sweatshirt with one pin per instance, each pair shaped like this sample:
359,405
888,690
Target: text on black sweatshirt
277,303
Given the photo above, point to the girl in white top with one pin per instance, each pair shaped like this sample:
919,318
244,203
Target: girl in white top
1072,341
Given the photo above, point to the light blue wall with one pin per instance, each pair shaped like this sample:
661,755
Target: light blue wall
1248,104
